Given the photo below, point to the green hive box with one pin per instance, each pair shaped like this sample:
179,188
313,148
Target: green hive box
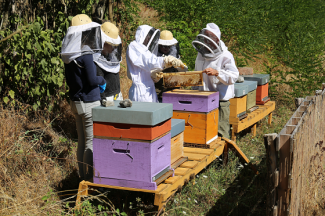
251,99
141,113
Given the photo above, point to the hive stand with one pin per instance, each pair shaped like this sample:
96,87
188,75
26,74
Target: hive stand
195,160
252,118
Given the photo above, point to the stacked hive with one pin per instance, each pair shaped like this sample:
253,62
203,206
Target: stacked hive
200,111
245,98
262,91
132,146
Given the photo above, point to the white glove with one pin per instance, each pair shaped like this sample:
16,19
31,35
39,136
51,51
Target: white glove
156,74
172,61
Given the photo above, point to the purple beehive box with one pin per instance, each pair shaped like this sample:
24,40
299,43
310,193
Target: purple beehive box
131,163
192,100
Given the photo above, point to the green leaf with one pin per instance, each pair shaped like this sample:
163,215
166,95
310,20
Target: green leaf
6,100
12,94
54,60
36,27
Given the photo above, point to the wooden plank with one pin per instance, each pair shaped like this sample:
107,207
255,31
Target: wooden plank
164,177
290,129
180,171
179,162
194,157
254,117
189,164
271,162
198,150
172,180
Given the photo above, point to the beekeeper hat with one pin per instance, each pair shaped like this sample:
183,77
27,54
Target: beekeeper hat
167,39
111,34
80,19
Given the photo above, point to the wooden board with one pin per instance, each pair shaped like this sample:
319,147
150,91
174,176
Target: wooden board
177,147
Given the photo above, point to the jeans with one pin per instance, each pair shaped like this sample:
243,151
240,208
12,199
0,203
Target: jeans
84,123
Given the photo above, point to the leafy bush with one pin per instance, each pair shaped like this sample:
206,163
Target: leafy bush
290,33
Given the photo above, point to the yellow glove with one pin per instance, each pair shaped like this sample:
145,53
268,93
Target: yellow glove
156,75
172,61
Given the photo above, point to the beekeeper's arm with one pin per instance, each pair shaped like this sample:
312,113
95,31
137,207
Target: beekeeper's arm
228,75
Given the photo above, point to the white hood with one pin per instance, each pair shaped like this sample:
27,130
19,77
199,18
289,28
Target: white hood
72,39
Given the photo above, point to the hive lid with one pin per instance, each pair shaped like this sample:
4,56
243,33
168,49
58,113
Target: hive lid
251,85
260,78
141,113
240,90
178,126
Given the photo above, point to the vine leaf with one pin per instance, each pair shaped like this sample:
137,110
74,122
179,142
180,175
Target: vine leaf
12,94
5,99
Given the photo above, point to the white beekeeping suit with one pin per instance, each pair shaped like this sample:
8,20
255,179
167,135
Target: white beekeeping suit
215,55
142,60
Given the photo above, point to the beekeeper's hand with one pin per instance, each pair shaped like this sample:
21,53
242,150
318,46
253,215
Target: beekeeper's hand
156,75
172,61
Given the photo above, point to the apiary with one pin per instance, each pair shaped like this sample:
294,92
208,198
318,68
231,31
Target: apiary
251,94
128,157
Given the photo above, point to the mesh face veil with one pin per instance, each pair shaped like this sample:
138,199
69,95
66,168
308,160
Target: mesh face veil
111,54
151,40
208,44
88,41
166,50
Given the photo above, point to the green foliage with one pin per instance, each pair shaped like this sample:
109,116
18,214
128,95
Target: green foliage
288,32
33,70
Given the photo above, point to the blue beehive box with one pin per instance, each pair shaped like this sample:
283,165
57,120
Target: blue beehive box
261,79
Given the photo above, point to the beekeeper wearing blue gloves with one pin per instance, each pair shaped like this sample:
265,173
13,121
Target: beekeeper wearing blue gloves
220,71
82,40
144,66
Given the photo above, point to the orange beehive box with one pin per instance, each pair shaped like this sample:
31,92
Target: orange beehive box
262,93
131,131
200,128
177,147
237,108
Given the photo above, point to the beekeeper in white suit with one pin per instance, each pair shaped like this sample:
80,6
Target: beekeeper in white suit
144,65
219,68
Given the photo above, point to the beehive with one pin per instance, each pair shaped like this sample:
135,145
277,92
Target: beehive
177,140
192,100
200,127
138,149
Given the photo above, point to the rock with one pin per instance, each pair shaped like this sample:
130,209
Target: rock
240,79
125,103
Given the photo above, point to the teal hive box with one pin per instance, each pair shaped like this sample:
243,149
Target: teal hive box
240,90
261,79
178,126
141,113
251,85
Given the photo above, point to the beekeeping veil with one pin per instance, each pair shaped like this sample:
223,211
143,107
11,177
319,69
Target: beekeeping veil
168,45
148,37
83,37
110,57
208,42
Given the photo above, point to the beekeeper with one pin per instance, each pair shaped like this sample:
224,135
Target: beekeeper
82,40
219,68
167,45
144,65
108,61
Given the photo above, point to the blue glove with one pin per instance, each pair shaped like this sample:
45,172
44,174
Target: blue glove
102,88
